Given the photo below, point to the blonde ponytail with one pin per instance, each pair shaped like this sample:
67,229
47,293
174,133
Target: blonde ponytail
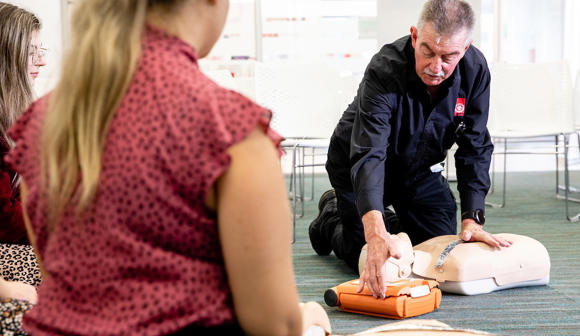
105,46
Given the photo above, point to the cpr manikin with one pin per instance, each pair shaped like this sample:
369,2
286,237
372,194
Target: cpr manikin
470,268
395,269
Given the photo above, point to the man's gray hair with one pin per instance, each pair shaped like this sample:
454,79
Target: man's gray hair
448,17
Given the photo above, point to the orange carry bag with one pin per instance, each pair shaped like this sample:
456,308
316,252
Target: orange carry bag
404,298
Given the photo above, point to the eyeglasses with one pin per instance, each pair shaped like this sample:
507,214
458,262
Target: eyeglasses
37,54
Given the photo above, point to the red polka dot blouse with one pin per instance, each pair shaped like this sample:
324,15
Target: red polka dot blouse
146,260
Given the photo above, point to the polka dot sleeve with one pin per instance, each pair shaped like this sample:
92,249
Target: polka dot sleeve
24,158
208,122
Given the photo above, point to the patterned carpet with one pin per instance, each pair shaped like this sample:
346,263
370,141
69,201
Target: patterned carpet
532,210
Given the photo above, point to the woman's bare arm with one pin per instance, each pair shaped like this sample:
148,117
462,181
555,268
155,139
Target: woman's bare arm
255,232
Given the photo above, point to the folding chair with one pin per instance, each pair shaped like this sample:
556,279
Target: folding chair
307,100
530,102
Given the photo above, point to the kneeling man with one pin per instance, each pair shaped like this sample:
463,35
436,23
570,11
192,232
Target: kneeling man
419,96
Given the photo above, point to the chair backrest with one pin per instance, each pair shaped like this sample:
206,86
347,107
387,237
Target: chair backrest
307,99
531,100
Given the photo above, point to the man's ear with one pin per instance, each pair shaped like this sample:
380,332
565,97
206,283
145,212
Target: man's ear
468,45
414,35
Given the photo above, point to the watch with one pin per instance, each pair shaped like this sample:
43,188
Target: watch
476,215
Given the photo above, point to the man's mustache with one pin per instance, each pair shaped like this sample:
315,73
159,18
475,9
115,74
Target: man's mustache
429,72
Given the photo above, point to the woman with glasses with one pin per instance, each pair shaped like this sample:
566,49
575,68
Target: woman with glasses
20,61
21,57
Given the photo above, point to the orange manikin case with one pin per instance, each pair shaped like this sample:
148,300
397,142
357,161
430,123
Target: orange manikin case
399,302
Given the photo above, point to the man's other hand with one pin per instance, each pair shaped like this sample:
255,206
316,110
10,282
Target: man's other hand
471,231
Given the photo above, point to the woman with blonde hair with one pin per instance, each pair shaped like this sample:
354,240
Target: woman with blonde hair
154,197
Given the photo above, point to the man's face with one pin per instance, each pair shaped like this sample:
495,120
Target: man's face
436,56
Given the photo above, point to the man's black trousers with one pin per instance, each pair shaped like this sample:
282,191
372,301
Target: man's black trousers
424,209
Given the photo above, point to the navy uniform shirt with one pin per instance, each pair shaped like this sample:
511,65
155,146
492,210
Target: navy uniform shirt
394,133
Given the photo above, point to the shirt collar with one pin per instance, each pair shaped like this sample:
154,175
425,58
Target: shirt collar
159,36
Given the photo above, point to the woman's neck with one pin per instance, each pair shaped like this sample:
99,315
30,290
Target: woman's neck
186,23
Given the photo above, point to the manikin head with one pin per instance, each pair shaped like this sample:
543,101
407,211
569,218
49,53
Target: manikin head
441,38
395,269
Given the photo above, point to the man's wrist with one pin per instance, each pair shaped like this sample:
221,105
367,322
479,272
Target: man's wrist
469,223
476,215
374,226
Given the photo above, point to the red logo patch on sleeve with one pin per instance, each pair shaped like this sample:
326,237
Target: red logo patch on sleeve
460,107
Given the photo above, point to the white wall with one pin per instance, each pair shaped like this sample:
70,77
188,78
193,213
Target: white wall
531,33
396,17
572,36
49,12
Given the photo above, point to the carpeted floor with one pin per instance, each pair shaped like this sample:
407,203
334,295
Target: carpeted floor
532,210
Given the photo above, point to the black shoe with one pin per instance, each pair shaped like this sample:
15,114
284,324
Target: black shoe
322,224
327,196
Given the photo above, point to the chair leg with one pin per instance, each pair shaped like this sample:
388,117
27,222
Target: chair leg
311,155
571,188
290,190
294,196
559,187
302,178
492,176
576,217
296,182
556,143
312,174
502,204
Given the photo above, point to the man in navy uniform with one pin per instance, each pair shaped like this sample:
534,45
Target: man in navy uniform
419,96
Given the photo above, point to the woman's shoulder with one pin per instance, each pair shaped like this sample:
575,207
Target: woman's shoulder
30,120
25,133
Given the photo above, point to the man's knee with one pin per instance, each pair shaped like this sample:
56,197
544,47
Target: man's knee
346,247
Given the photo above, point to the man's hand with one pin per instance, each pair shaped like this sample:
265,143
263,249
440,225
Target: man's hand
471,231
379,248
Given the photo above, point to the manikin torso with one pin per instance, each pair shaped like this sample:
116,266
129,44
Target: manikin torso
470,267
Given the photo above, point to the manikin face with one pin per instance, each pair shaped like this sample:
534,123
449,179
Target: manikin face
394,269
36,57
437,56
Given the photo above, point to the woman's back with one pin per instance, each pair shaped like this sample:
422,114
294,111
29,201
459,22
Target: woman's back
146,257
